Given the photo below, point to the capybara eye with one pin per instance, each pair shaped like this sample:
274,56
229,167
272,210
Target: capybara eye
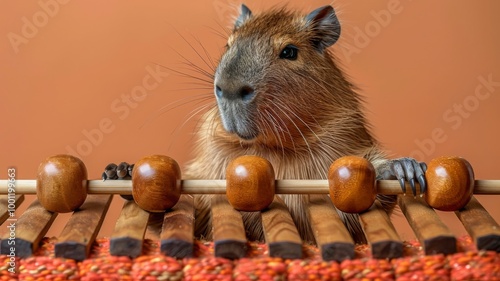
290,52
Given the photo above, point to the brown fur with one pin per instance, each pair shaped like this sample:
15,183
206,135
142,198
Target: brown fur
306,111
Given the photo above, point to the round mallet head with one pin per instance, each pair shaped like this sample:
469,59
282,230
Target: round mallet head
61,184
450,182
351,180
250,183
156,183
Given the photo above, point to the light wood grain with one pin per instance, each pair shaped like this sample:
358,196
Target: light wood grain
280,232
155,224
228,229
483,229
380,233
177,233
30,228
433,234
128,235
389,187
332,237
4,203
80,232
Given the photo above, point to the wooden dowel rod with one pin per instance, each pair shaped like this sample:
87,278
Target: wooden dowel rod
389,187
487,187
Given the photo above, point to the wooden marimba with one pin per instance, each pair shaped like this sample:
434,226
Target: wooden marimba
176,240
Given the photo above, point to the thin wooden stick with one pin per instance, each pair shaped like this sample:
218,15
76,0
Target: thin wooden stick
388,187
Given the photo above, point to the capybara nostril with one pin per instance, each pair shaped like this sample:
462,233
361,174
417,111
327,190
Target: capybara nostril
244,92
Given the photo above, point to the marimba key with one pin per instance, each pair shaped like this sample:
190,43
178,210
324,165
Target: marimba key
128,234
177,234
331,235
434,236
280,232
155,225
80,232
31,227
4,205
380,233
228,229
483,229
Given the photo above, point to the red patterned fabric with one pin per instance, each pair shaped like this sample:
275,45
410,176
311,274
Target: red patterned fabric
468,264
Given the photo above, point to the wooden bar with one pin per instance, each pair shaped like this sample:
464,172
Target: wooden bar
5,211
280,232
80,232
380,233
332,237
178,229
228,229
128,234
483,229
433,234
155,224
30,228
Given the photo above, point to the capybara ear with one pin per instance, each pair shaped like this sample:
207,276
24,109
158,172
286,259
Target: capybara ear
245,14
325,27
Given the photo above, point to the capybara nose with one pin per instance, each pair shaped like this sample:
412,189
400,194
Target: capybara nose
237,92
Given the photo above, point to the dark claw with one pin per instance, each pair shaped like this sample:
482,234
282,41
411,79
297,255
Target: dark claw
398,171
412,185
109,172
420,175
122,170
114,172
402,183
423,166
409,173
423,186
405,170
130,169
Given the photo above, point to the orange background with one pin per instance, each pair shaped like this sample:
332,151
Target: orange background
66,65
